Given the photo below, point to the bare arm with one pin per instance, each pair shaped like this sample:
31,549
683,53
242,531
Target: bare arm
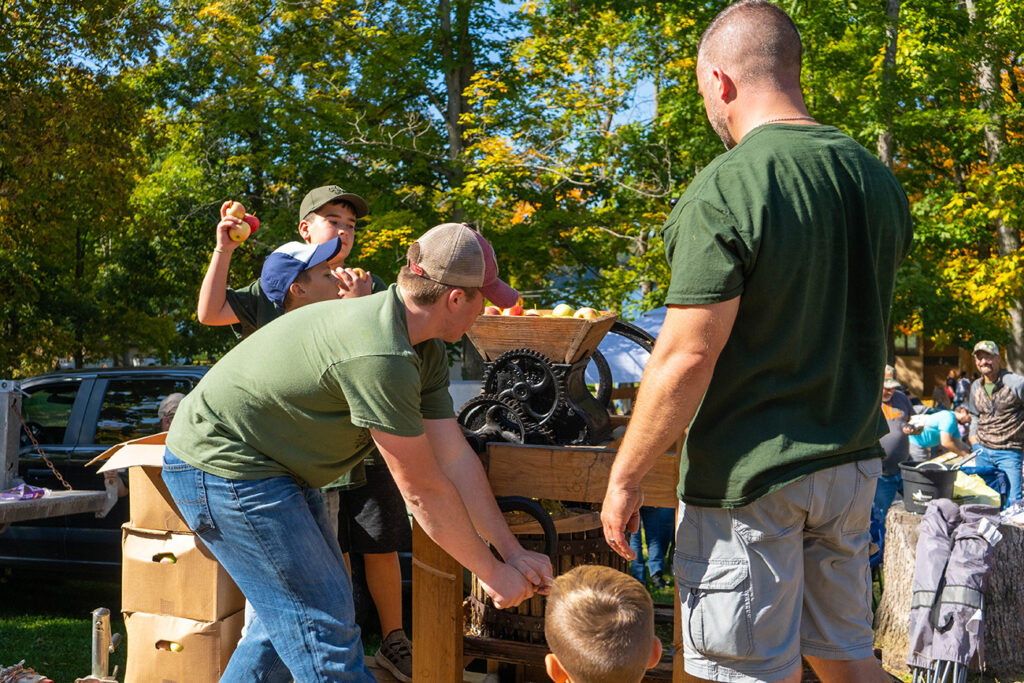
952,444
213,308
438,507
674,382
462,467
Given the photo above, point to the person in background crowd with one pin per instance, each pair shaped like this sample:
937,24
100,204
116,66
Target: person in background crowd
897,411
996,402
941,428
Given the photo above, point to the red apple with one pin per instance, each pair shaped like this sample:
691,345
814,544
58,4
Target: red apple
587,313
254,223
492,310
513,310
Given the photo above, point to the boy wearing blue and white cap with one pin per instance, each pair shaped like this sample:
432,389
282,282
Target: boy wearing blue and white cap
297,274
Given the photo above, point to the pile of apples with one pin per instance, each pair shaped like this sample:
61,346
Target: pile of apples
250,224
559,311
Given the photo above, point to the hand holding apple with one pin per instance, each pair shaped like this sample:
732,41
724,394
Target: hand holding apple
245,225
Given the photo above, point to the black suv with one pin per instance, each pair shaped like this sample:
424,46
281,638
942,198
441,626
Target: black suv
75,416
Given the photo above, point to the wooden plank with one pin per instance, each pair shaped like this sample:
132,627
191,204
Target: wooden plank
565,525
55,504
579,474
436,611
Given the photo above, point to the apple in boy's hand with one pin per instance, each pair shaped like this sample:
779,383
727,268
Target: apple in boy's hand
239,233
235,209
492,310
359,273
563,311
513,310
254,223
587,313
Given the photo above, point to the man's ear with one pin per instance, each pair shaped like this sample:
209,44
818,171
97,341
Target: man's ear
297,290
655,653
554,668
304,230
725,87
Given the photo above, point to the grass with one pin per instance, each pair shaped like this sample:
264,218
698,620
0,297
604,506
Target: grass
47,621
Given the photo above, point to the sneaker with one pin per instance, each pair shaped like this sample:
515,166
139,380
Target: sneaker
395,655
658,581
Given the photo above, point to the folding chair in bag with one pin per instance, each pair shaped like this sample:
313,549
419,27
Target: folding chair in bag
954,555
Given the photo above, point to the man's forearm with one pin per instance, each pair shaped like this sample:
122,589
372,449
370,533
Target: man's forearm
463,468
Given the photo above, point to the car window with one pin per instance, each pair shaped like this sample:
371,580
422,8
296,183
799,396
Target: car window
47,409
130,407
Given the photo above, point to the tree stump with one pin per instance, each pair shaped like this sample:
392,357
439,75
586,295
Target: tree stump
1004,597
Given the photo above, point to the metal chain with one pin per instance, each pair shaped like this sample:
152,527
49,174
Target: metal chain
39,450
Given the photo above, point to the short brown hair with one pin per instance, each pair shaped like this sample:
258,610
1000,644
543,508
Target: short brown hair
599,623
422,290
757,40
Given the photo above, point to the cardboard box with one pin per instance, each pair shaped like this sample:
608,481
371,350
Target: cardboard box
200,653
176,575
149,502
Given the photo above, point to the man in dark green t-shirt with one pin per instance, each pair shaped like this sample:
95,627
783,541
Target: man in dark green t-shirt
299,403
783,253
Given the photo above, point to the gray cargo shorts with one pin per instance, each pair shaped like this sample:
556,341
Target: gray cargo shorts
784,576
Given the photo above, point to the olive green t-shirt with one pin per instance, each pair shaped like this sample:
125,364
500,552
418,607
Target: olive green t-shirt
298,396
807,228
254,310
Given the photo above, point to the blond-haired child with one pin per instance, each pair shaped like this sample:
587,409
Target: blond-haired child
599,624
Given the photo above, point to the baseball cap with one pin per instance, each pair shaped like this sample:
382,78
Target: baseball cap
284,265
889,375
322,196
454,254
987,346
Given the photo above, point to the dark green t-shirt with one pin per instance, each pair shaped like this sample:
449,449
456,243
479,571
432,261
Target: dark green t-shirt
807,228
298,396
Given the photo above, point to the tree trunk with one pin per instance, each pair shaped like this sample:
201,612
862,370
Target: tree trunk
885,138
987,80
1004,597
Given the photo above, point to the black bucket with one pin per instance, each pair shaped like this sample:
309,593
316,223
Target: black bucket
921,486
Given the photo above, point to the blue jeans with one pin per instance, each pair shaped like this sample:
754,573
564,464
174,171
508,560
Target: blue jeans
274,539
659,527
1007,461
885,492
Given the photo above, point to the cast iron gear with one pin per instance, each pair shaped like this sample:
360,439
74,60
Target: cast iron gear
530,379
487,418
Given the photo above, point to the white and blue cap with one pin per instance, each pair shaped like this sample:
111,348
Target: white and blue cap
284,265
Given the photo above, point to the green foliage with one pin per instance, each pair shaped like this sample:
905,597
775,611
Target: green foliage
563,130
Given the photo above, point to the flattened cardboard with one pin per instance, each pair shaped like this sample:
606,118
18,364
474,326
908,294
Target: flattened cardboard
149,502
205,648
195,586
